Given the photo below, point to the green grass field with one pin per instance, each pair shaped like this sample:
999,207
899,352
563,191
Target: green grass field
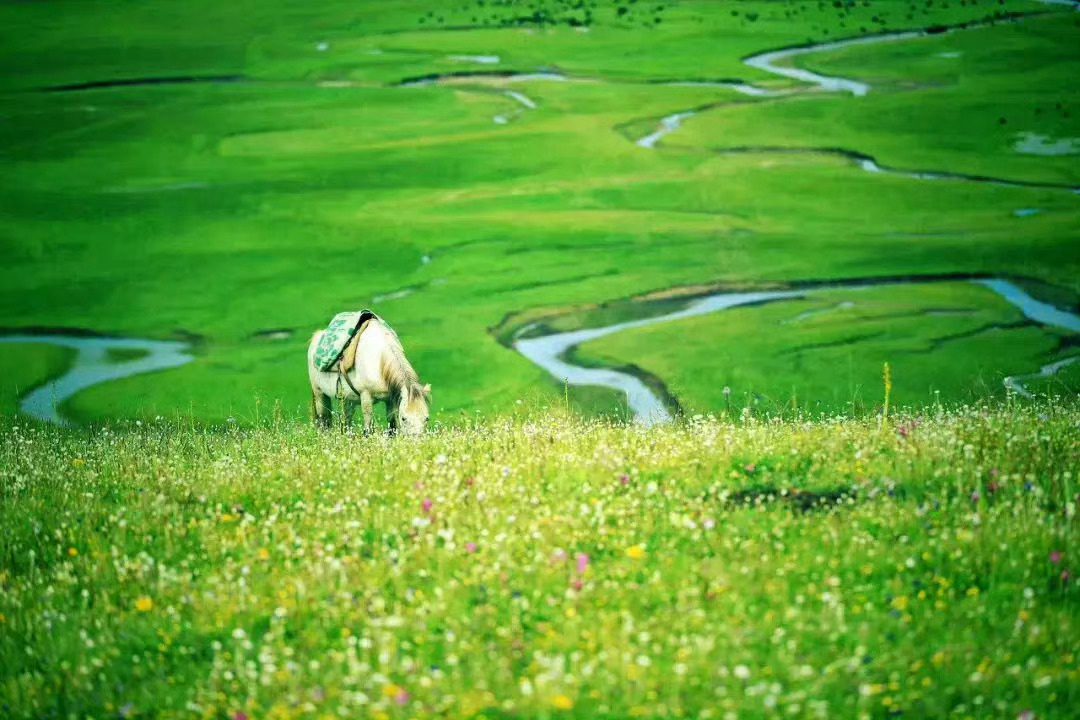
924,566
310,182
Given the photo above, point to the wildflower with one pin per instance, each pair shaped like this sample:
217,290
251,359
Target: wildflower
562,702
750,468
742,672
1055,557
1026,715
635,552
426,505
582,563
470,547
240,715
144,604
975,497
72,552
78,462
624,479
993,488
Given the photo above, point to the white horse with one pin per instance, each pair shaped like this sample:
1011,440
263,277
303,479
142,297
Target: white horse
381,373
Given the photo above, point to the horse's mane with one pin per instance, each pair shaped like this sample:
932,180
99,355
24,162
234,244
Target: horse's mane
395,368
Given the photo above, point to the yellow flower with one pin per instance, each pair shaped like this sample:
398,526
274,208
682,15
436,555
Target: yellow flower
562,702
264,554
144,604
635,552
78,462
973,592
900,602
391,690
227,518
72,552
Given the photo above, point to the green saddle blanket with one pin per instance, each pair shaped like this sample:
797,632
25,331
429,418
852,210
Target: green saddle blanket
337,335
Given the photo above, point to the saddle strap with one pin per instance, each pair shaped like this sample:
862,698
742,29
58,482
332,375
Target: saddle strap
348,382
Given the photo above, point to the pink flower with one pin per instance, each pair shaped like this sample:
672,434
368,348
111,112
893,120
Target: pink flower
426,505
402,698
240,715
1055,557
576,585
751,467
470,547
1065,576
624,479
993,488
975,497
582,563
1026,715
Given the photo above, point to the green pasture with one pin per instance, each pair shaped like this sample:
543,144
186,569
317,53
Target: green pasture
827,351
923,565
309,182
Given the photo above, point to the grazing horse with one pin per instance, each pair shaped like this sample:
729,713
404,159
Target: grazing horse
381,373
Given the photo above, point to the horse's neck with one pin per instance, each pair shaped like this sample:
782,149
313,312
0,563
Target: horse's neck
391,354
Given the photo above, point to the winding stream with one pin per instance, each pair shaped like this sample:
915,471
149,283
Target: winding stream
550,351
92,366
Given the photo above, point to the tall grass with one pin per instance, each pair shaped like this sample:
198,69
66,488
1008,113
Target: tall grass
546,566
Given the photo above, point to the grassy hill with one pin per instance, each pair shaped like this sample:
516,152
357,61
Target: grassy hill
209,172
541,566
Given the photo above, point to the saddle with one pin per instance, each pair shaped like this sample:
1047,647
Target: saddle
337,346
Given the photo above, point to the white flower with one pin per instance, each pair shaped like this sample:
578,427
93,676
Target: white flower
742,672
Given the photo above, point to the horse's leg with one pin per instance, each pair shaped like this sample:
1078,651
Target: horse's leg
392,415
367,405
322,409
350,410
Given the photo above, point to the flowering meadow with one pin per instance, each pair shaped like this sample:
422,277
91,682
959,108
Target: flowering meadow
544,566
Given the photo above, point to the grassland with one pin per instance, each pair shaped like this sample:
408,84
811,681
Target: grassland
827,351
309,182
540,566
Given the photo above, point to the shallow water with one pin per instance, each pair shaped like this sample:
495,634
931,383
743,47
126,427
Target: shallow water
767,61
668,125
549,351
1016,384
1031,143
92,366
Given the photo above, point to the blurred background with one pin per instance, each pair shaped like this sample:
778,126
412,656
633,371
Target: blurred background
734,202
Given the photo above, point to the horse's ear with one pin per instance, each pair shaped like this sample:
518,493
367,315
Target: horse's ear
427,391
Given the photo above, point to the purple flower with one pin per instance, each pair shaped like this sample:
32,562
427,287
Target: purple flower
402,698
582,563
624,479
426,505
1055,557
470,547
975,497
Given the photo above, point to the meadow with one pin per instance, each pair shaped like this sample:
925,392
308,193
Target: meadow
545,565
207,173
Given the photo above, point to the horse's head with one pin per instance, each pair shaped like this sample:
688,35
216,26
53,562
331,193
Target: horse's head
413,409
